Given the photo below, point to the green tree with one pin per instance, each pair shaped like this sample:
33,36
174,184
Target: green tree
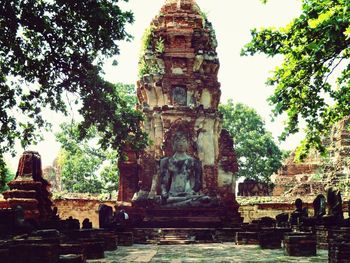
51,54
6,175
85,167
257,153
316,49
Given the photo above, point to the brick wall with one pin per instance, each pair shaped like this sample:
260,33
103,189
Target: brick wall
80,209
88,208
251,212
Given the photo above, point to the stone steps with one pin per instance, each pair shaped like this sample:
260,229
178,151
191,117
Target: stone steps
174,238
182,235
175,242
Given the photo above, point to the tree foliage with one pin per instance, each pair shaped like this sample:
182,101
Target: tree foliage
316,50
6,175
85,167
51,54
257,153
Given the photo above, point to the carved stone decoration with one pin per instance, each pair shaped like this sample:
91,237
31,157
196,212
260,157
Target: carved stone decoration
179,96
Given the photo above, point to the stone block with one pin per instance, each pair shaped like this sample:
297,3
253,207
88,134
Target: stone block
247,238
322,236
72,258
270,239
34,253
226,234
300,244
339,246
110,240
338,252
94,248
125,238
75,249
5,255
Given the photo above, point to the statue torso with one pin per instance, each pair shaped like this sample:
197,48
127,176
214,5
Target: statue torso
181,175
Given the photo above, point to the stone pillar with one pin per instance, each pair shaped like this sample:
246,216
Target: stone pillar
128,176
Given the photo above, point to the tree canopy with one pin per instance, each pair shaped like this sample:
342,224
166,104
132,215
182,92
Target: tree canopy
85,167
257,153
6,175
313,82
51,56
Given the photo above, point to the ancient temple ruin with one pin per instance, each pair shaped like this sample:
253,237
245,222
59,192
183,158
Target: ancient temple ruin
29,189
297,178
179,93
336,165
316,173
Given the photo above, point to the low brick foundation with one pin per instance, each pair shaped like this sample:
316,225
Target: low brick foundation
88,208
81,209
252,211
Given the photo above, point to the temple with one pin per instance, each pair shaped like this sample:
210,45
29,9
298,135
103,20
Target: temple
178,91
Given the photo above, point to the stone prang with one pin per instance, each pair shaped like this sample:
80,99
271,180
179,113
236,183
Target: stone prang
178,91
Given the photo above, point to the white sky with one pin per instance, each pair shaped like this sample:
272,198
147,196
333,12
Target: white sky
242,78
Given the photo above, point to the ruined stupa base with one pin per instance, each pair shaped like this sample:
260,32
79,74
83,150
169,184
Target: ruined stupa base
29,189
190,217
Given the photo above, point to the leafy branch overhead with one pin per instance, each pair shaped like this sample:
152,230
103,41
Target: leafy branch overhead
313,82
52,50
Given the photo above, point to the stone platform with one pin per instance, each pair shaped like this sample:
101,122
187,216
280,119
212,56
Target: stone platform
196,217
171,236
216,252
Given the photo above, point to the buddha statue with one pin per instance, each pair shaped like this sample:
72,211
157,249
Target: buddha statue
319,205
299,214
181,177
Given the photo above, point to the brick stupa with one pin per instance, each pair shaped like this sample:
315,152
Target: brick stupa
29,189
178,90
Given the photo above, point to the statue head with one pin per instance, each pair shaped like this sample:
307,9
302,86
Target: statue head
298,204
179,142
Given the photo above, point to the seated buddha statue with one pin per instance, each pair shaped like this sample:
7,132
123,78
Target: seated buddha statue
181,177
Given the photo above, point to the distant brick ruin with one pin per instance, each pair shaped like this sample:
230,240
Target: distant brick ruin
317,173
336,166
297,178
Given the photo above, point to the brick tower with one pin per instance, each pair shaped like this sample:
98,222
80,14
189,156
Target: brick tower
178,89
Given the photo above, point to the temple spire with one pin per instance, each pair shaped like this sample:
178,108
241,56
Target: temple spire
180,3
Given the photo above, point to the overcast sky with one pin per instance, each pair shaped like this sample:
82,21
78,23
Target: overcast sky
242,78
